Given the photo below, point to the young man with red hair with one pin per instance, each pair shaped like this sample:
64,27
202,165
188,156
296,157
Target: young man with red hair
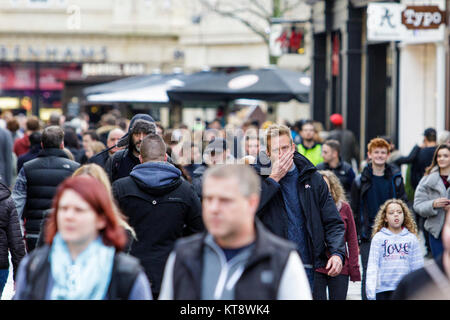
377,183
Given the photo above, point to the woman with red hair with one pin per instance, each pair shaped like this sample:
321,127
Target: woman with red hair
82,258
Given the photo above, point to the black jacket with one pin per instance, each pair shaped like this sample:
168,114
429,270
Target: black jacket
30,155
10,233
270,253
323,221
197,179
361,185
44,174
159,215
344,172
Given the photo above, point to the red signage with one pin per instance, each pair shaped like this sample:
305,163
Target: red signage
20,78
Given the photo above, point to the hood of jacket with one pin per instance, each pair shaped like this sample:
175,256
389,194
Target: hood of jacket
4,192
156,177
199,171
388,232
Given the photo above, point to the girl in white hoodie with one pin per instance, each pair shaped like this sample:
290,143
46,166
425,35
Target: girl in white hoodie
395,250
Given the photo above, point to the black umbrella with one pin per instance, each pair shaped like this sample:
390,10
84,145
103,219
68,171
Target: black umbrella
268,84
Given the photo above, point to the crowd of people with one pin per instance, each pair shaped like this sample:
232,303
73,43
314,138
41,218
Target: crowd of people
128,209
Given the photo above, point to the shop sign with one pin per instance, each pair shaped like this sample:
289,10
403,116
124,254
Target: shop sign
52,53
113,69
404,22
423,17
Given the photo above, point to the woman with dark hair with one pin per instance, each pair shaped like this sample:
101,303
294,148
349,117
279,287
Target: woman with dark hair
72,143
82,258
432,197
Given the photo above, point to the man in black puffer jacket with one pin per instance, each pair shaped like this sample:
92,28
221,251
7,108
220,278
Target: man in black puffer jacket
38,180
160,206
10,236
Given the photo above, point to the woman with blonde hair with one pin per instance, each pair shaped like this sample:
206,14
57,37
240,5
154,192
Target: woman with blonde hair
338,286
94,170
394,251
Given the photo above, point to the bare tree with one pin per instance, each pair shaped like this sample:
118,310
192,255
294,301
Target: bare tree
255,14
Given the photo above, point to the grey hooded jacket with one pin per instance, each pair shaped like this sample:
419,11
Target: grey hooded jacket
429,189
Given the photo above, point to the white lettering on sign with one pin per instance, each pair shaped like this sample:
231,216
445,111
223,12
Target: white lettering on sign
423,17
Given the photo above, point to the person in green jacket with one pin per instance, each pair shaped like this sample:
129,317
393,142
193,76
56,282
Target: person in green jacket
309,147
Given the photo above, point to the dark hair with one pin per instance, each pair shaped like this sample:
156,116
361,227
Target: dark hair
333,144
71,138
35,138
52,137
94,193
12,125
430,134
93,134
434,162
153,148
307,122
33,123
54,119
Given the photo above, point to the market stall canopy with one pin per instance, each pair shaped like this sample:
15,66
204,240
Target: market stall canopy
267,84
150,88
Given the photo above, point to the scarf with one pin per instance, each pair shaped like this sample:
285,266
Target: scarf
86,278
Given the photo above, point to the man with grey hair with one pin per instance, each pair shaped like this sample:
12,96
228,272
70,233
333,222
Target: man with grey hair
160,206
38,180
237,258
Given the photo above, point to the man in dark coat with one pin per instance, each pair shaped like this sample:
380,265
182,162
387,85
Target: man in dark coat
123,161
35,148
38,180
377,183
332,161
296,205
10,236
160,206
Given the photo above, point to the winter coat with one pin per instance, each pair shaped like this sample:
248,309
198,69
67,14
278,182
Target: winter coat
197,179
261,267
429,189
360,187
344,172
325,228
351,265
391,257
161,207
43,176
10,234
6,158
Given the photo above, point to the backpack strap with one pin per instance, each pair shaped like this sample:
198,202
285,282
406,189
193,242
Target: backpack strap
124,274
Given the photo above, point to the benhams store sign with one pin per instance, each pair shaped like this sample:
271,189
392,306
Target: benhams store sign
407,23
52,53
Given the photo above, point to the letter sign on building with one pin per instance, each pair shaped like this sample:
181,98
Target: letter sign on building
423,17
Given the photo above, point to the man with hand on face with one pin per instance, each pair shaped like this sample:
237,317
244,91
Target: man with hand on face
296,205
237,258
377,183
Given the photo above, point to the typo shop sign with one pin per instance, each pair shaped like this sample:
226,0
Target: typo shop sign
423,17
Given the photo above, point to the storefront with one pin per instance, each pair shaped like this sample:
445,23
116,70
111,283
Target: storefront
351,75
